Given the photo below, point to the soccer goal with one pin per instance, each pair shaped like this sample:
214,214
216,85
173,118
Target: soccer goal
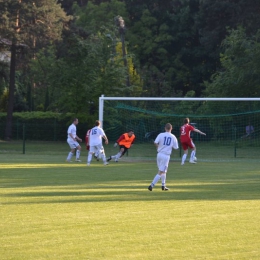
232,125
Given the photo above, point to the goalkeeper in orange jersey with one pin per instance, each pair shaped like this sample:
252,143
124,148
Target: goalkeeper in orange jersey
125,141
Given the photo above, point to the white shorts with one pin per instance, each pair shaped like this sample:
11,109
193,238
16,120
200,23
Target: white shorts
97,148
163,162
72,144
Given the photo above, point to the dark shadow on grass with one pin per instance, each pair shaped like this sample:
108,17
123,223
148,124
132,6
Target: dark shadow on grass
230,191
129,183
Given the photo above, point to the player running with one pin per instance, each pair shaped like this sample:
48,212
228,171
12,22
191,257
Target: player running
95,143
187,142
125,141
72,141
96,155
164,143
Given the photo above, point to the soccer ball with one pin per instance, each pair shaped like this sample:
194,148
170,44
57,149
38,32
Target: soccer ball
195,159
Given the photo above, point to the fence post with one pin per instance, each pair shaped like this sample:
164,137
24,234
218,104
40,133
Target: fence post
235,142
17,129
55,135
23,138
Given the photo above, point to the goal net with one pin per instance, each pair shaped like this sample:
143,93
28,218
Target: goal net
232,125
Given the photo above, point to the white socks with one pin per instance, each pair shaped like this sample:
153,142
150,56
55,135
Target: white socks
117,156
69,156
192,155
155,180
103,156
183,158
163,177
77,154
89,157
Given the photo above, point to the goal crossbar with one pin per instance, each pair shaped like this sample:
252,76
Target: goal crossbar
103,98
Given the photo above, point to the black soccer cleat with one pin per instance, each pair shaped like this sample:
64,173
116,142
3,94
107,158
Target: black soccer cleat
109,159
165,188
150,188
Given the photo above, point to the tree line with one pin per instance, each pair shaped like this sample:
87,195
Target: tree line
62,55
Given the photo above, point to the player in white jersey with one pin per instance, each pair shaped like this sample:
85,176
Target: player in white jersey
164,143
95,143
72,141
96,155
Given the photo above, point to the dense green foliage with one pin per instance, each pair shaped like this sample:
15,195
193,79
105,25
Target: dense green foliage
241,67
178,48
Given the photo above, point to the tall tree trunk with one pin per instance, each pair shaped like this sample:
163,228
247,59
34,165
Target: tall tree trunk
8,129
125,59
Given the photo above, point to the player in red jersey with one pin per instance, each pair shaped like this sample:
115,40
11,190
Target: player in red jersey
87,139
186,141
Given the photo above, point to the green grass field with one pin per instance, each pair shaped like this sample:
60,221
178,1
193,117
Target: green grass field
54,210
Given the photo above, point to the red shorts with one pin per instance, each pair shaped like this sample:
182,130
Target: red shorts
185,145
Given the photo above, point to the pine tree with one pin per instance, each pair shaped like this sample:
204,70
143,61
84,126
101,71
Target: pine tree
27,24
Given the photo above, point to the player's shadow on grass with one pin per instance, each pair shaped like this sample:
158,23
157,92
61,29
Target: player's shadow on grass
223,191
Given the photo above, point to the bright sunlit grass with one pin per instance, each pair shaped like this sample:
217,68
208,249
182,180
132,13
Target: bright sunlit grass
54,210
